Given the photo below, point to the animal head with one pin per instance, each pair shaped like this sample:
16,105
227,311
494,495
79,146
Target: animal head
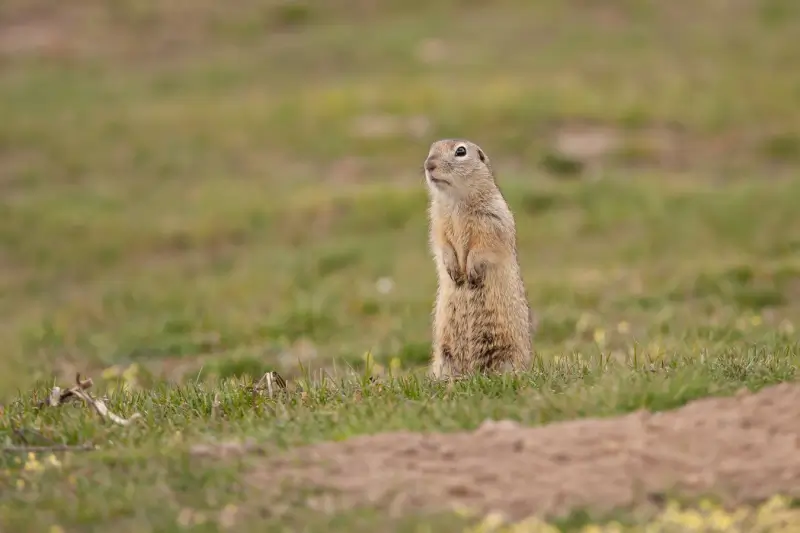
458,169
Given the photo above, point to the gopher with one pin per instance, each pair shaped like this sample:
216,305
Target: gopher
481,320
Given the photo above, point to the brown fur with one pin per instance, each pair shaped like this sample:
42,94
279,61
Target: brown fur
482,321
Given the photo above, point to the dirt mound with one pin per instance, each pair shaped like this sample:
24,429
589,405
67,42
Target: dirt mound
740,448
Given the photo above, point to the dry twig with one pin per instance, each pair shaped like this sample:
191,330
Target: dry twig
49,445
270,382
58,397
216,406
44,449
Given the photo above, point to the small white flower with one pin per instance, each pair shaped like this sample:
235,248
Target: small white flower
384,285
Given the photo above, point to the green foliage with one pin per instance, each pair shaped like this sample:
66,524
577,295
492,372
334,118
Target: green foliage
191,196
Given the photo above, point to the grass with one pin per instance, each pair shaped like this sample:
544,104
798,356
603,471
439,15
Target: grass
89,489
193,196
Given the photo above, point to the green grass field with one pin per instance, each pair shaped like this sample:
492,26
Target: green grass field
192,195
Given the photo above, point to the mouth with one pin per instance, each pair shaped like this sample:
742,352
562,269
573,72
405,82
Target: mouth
438,182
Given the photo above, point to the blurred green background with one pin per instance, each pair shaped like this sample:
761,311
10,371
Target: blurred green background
204,189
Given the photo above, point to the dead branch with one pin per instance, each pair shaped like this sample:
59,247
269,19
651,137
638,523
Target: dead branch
80,390
58,396
45,449
269,383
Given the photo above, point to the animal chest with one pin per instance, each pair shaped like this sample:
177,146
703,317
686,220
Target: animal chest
460,237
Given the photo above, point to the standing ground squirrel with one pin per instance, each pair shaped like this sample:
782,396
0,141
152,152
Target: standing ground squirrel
481,321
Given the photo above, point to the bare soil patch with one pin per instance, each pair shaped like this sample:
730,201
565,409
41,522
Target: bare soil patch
740,449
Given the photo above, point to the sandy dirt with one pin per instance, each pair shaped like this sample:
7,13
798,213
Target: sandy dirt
742,448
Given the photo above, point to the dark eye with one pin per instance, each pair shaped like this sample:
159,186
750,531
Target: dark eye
461,151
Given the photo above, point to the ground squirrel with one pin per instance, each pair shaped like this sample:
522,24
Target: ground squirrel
481,320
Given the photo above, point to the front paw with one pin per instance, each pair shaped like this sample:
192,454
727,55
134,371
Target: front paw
476,276
452,267
456,274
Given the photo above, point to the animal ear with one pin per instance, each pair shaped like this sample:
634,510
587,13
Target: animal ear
481,155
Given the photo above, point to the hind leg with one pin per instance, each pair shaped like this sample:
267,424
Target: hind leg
441,363
437,368
514,366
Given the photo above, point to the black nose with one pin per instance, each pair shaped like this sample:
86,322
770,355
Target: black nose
430,165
